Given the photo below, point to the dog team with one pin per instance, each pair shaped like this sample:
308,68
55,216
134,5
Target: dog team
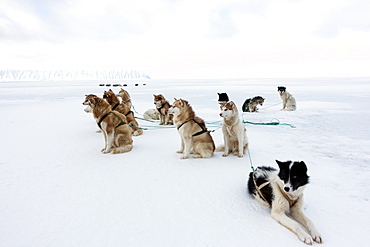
281,190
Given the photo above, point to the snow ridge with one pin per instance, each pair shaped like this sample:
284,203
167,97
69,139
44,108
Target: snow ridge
69,75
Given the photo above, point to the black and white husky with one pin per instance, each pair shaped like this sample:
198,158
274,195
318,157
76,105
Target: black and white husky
283,190
289,102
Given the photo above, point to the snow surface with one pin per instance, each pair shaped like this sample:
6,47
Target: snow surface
58,189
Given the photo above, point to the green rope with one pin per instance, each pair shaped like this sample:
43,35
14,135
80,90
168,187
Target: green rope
250,160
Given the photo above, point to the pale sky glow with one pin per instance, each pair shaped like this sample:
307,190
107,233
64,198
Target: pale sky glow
189,38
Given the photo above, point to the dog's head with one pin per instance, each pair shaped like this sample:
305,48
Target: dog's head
124,95
92,101
109,96
259,100
293,174
281,89
222,97
159,100
228,109
88,108
178,106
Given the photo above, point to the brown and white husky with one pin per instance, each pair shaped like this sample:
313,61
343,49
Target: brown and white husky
125,96
195,138
162,106
117,133
234,132
113,100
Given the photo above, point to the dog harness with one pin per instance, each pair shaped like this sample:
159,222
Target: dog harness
204,130
258,188
115,106
106,115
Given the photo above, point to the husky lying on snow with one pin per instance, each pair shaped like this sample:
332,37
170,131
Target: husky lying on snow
195,139
289,103
117,133
162,106
151,114
112,99
283,190
250,105
234,132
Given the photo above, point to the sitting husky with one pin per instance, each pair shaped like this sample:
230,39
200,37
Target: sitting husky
162,106
223,98
112,99
250,105
117,133
234,132
195,138
289,103
283,190
125,96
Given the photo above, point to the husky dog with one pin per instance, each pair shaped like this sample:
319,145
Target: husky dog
250,105
151,114
283,190
223,98
125,96
162,106
234,132
289,103
112,99
195,139
87,97
117,133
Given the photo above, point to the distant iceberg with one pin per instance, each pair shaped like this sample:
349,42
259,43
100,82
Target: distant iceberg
69,75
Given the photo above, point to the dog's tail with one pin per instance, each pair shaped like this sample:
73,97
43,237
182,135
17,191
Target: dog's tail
122,149
220,148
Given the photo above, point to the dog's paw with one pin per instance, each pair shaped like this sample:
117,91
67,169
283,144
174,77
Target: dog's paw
305,238
317,237
184,157
225,154
240,155
180,151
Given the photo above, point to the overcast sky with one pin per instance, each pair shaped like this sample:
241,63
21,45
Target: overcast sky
189,38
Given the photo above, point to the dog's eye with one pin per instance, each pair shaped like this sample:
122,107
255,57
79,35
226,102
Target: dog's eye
294,177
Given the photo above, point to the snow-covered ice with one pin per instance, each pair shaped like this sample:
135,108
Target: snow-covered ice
58,189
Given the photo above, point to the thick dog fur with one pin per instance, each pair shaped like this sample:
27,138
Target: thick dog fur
125,96
250,105
163,106
289,103
114,102
222,98
117,133
195,139
234,132
283,190
151,114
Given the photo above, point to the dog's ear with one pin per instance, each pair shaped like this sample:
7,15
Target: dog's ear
175,99
279,163
303,165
